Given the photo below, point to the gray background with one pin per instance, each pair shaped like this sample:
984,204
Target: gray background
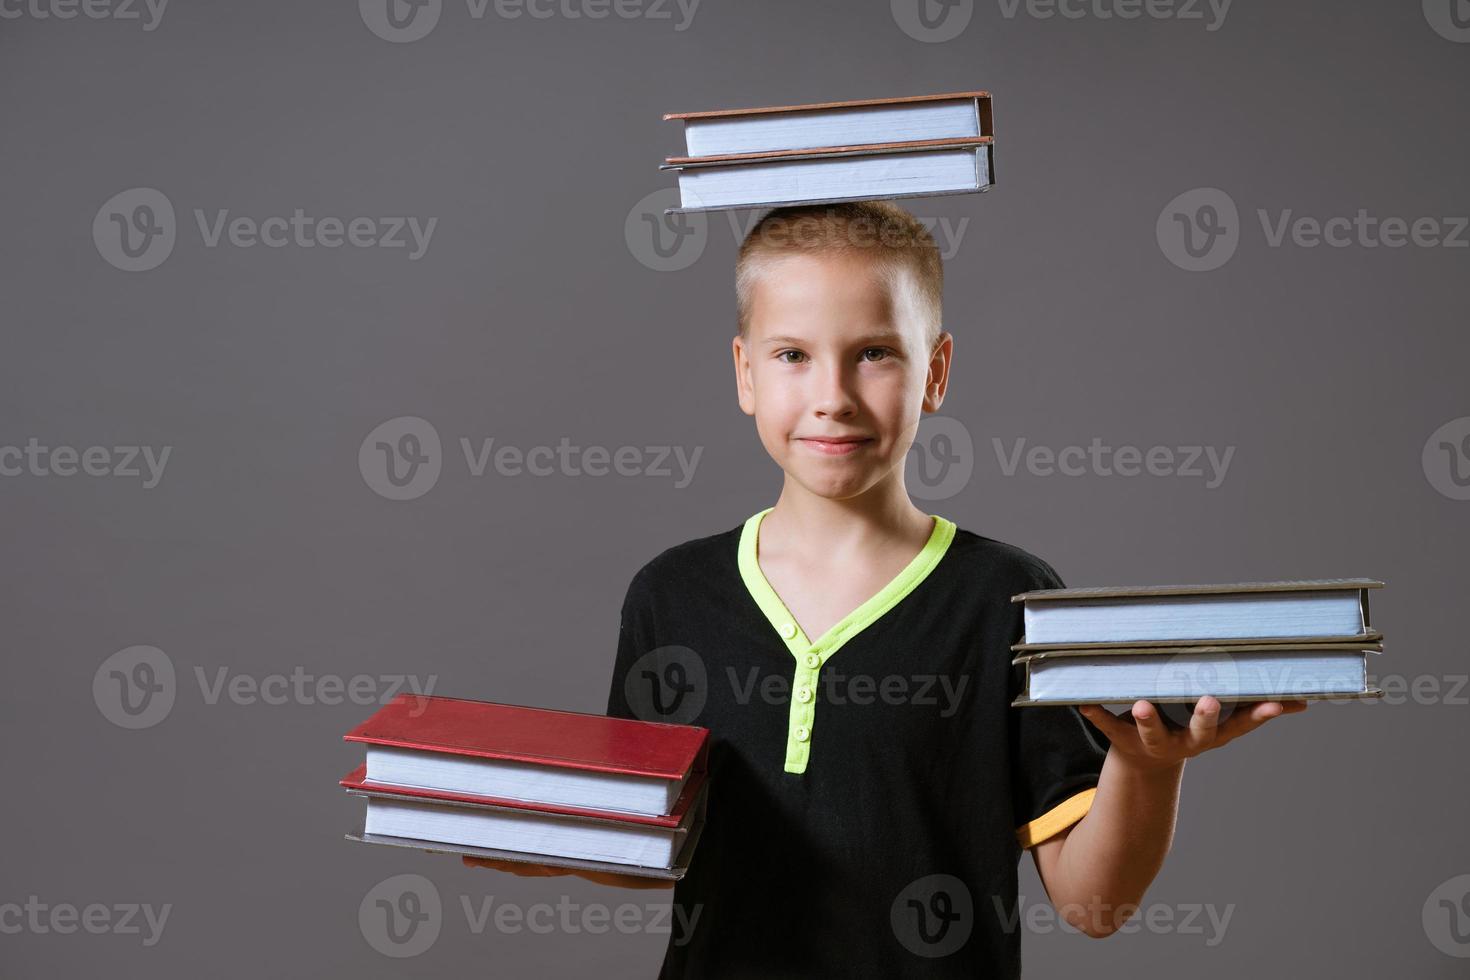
264,549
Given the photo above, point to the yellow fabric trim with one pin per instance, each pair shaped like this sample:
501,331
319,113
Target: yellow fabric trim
1057,819
802,714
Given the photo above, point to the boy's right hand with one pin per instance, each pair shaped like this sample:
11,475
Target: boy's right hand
528,870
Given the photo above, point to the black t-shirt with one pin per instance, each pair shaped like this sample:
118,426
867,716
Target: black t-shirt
872,791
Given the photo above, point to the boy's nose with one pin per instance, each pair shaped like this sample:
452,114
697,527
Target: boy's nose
834,397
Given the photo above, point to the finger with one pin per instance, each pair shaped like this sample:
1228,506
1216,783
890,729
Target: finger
1151,731
1204,724
1116,729
1252,715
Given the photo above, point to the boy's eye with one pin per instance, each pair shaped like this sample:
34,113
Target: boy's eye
883,353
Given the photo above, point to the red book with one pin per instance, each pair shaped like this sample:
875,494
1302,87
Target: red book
532,784
542,736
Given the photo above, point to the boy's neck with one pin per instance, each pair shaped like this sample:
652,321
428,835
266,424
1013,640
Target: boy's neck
813,524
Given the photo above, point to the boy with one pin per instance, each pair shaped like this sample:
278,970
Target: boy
871,788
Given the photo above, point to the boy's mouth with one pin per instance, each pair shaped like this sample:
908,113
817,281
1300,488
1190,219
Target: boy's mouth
835,445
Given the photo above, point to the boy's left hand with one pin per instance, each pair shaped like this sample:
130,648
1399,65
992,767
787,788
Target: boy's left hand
1147,743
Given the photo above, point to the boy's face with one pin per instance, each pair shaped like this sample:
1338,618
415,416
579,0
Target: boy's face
836,372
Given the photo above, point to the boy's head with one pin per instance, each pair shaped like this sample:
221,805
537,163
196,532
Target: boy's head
840,338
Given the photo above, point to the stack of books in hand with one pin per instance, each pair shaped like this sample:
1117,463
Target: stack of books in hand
1250,641
532,784
835,151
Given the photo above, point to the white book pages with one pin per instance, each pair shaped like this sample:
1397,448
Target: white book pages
530,833
811,128
530,782
1273,676
1199,617
859,176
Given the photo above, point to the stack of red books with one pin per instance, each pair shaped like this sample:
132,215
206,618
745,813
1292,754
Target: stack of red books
532,784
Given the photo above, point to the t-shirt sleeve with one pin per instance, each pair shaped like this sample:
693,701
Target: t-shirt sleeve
635,638
1056,754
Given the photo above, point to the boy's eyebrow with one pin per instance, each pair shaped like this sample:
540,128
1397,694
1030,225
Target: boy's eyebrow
883,337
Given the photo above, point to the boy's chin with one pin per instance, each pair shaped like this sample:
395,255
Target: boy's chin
834,487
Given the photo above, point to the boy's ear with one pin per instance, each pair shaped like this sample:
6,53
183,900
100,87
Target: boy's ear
937,380
742,376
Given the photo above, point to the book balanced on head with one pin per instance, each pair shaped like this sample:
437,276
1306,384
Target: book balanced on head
536,785
824,152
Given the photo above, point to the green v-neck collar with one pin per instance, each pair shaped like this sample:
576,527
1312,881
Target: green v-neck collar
855,621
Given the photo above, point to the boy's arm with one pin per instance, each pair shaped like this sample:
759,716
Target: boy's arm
1096,872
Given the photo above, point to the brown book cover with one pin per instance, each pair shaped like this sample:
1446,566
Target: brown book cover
1175,648
1362,586
688,832
679,163
983,98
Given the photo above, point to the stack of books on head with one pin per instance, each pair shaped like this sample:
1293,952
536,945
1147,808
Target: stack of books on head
1250,641
532,784
835,151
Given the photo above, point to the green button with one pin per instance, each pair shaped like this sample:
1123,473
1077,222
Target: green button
803,694
811,660
803,733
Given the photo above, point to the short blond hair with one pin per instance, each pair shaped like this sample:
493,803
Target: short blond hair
893,237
